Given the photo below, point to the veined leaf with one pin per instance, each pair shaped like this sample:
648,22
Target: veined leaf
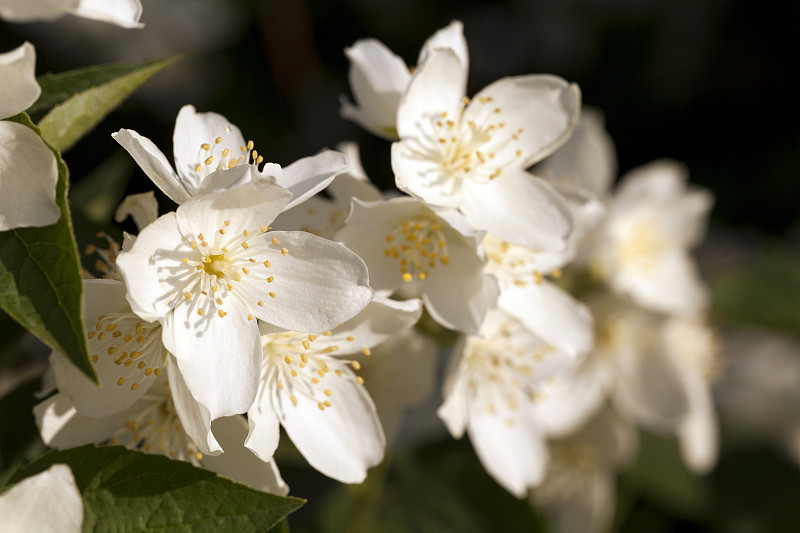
130,491
40,278
77,101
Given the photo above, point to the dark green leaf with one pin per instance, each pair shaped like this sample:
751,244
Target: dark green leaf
79,100
130,491
19,437
40,278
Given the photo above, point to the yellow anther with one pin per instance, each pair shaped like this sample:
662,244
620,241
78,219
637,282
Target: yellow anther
219,301
218,140
188,295
227,222
306,345
250,145
209,160
294,373
267,264
201,312
293,398
245,270
422,275
141,365
288,360
198,167
407,276
95,358
91,334
270,279
134,386
260,303
205,146
351,338
356,365
101,336
121,381
327,392
284,252
221,313
272,295
314,380
245,245
157,371
359,380
366,351
117,333
321,406
304,358
225,152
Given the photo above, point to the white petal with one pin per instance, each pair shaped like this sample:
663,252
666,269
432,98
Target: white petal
125,13
540,110
192,131
438,87
588,160
265,430
459,299
26,11
240,464
318,284
343,440
698,435
519,208
142,207
194,417
452,37
28,177
153,163
380,320
454,411
142,265
306,177
18,86
247,206
230,178
62,427
514,453
219,357
48,502
417,175
377,78
553,314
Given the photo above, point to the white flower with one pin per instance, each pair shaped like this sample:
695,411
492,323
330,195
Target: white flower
408,245
579,489
473,156
159,422
48,502
759,394
209,270
379,78
28,171
207,149
489,391
309,389
643,251
125,13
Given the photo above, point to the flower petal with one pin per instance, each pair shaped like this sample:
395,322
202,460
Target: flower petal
62,427
697,433
143,272
539,110
142,207
153,163
247,206
219,357
18,86
193,133
26,11
240,464
194,417
437,88
318,284
552,314
510,447
378,78
451,37
459,300
48,502
306,177
28,177
519,208
125,13
265,429
342,440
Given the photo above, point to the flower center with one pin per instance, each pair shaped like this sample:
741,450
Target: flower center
156,428
302,369
418,244
219,154
127,347
217,266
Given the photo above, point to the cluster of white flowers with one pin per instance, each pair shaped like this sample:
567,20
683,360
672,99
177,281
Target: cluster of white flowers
254,304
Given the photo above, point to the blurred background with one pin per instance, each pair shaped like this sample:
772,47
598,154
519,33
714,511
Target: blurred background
704,82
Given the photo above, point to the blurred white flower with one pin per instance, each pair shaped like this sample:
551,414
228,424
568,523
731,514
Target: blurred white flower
308,388
432,254
379,78
209,270
654,219
48,502
759,393
125,13
28,170
578,492
211,155
472,155
490,388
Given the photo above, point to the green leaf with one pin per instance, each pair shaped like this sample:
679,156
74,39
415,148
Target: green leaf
130,491
40,278
80,99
